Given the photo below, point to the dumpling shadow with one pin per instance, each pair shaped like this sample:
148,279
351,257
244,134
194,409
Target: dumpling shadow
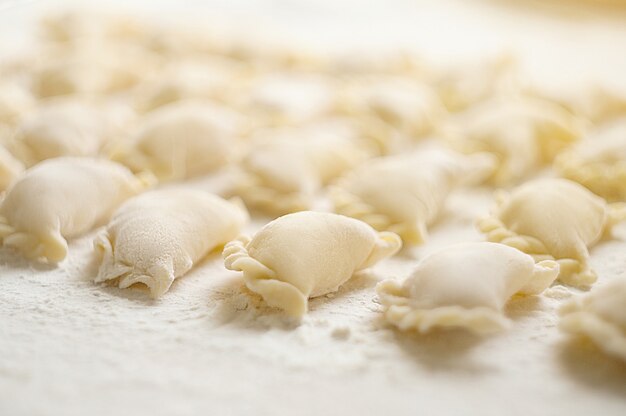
14,260
361,281
589,365
520,307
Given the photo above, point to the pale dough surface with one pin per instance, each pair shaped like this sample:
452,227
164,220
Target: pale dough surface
70,347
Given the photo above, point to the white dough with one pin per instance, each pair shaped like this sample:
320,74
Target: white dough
62,198
62,127
599,162
306,254
405,194
553,218
464,286
599,315
182,140
282,175
522,133
158,236
15,102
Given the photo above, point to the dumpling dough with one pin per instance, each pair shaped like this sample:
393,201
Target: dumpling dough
522,133
464,286
62,127
10,168
599,315
556,219
15,102
283,174
599,162
404,194
182,140
158,236
62,198
306,254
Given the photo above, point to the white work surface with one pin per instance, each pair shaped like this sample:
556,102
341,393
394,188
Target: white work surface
208,347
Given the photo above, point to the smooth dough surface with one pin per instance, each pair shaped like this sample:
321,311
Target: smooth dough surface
464,286
62,198
182,140
10,168
599,162
599,315
405,194
282,175
306,254
158,236
523,133
553,218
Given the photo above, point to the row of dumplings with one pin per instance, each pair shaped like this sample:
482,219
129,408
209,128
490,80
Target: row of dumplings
106,108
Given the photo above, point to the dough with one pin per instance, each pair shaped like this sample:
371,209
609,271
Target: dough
464,286
15,102
182,140
599,162
306,254
405,194
555,219
599,315
523,133
62,198
61,127
283,174
158,236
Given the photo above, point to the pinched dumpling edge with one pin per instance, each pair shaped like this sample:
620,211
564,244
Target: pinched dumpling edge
277,293
396,298
578,321
573,272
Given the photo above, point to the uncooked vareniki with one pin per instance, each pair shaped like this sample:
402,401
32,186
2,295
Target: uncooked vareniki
10,168
556,219
182,140
306,254
158,236
599,162
599,315
522,133
282,175
404,194
62,198
464,286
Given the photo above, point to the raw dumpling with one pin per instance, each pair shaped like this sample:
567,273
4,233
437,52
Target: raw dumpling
464,286
62,127
403,104
158,236
10,168
599,315
404,194
282,175
15,102
306,254
62,198
182,140
599,162
522,133
556,219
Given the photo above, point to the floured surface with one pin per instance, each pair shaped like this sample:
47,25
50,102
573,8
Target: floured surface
69,347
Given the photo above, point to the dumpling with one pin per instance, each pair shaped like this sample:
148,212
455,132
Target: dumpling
10,168
399,103
405,194
62,127
183,140
463,85
523,133
62,198
15,102
599,315
283,174
464,286
556,219
158,236
599,162
306,254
